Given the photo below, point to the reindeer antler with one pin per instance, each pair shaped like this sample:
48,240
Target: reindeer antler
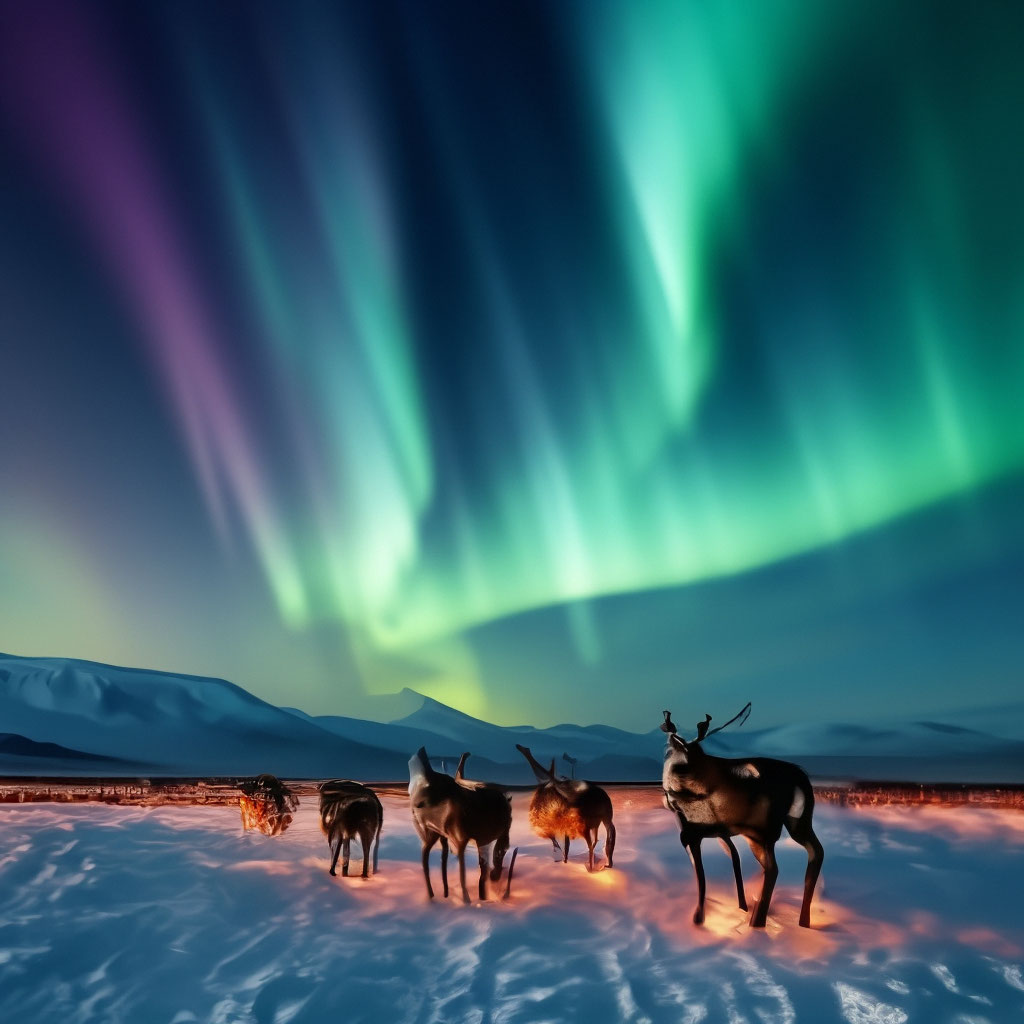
668,725
741,716
702,728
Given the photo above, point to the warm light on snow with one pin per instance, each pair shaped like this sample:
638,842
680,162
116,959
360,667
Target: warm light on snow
175,914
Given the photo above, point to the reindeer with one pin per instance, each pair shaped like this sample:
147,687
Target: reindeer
569,809
502,843
347,810
722,797
458,812
267,805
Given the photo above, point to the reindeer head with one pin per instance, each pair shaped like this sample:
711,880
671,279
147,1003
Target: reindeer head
420,772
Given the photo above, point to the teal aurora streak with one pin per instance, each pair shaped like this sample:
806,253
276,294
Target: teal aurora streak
609,480
587,299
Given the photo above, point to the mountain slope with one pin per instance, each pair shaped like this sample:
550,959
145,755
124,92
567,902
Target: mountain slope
586,743
160,721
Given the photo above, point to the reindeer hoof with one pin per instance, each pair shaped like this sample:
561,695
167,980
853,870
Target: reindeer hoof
698,916
743,905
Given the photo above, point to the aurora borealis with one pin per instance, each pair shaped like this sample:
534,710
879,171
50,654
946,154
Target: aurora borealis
525,354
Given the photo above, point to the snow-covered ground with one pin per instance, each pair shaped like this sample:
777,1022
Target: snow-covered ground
174,915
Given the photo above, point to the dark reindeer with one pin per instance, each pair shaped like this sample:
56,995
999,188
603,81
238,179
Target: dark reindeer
566,809
350,810
457,813
722,797
502,843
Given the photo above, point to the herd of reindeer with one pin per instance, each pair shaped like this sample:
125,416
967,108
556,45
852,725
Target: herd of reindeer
711,798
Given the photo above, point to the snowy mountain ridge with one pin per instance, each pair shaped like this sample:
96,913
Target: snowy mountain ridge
163,723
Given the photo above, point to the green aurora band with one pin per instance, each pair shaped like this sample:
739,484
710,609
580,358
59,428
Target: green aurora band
778,343
904,411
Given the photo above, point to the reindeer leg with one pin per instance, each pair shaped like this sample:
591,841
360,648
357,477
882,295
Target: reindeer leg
483,854
802,832
692,845
364,840
335,850
376,847
558,848
766,857
460,852
511,868
590,836
609,841
565,855
730,848
344,857
444,865
428,842
496,860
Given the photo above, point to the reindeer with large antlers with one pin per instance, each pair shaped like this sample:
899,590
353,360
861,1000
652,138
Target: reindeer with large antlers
560,808
458,812
722,797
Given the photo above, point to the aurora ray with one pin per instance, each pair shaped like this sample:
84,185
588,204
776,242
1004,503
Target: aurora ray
464,316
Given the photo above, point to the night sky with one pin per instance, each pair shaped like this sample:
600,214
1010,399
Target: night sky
562,361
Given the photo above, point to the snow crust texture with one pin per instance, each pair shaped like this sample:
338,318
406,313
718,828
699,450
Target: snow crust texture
175,915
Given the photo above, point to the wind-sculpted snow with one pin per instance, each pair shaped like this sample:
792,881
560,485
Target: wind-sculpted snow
115,914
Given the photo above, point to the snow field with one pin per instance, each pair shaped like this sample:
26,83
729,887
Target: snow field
174,915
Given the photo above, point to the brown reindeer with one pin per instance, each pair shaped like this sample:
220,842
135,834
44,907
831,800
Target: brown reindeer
721,797
350,810
560,808
459,813
267,805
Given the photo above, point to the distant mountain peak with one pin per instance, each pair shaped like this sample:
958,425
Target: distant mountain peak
189,724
